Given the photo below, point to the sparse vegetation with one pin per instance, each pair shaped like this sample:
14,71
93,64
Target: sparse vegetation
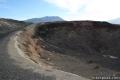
90,61
97,67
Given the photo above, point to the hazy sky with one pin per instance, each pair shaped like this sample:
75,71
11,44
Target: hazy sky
67,9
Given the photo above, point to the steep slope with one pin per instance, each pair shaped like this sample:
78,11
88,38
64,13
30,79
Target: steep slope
8,25
45,19
85,36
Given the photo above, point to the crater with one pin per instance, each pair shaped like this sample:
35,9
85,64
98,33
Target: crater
78,46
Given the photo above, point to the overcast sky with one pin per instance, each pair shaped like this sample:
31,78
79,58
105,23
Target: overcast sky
67,9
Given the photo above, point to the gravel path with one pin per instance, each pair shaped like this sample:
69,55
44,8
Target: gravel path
15,67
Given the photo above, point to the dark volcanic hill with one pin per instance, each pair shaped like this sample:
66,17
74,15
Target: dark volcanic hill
45,19
9,25
87,37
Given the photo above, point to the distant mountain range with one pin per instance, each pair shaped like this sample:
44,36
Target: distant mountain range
44,19
115,21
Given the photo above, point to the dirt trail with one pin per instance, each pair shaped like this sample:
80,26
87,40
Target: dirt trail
15,67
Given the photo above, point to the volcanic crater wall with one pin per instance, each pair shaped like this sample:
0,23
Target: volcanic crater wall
83,37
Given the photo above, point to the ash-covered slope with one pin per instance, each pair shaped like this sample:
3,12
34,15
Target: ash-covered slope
86,37
8,25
